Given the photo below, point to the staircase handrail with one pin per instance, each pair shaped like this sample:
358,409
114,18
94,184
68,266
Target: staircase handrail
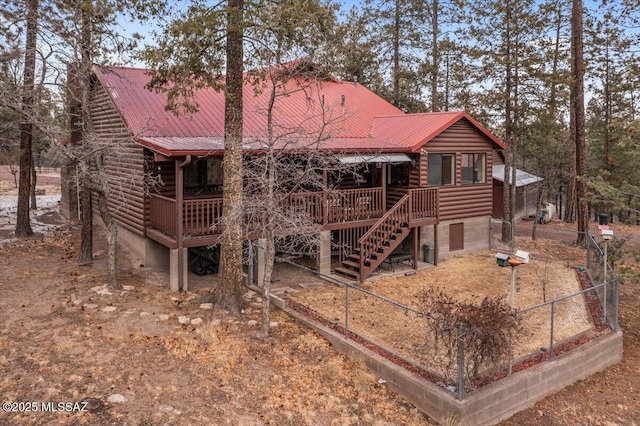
404,217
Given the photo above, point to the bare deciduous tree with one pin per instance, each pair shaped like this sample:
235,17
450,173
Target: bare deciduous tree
483,332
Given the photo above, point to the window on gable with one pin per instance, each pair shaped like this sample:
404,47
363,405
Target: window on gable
474,168
442,169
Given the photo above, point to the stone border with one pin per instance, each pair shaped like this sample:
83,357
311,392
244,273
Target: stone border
489,404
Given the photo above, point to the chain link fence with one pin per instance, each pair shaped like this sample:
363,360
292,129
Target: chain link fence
405,334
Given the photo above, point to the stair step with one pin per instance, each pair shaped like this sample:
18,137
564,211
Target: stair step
350,264
348,272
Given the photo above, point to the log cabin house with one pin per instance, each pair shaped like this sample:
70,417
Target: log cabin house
428,192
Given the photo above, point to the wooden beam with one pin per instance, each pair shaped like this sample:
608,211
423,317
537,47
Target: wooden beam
384,187
158,158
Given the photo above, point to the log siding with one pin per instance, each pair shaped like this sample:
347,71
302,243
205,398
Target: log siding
462,201
124,163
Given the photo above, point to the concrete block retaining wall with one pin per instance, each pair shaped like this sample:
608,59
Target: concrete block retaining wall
489,404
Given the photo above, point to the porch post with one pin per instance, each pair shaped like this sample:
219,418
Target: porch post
436,245
325,201
416,247
261,261
384,188
324,253
181,280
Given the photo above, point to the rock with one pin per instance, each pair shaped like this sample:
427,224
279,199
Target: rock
215,322
168,409
252,322
109,309
206,306
116,398
144,314
259,299
77,301
183,319
130,311
163,317
102,290
196,321
273,324
128,287
250,294
90,306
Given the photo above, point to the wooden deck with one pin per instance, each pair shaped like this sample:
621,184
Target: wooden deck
341,209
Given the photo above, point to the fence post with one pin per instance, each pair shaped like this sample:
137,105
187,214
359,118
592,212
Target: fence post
553,305
510,352
250,265
346,311
589,251
460,362
604,297
614,301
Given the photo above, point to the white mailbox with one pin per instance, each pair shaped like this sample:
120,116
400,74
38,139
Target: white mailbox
607,234
522,256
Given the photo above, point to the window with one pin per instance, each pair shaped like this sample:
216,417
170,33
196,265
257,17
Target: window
398,174
474,168
203,175
442,169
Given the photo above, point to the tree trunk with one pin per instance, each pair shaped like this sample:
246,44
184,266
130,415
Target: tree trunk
507,205
228,294
83,78
112,238
581,148
396,54
270,258
102,189
85,254
34,181
435,56
23,221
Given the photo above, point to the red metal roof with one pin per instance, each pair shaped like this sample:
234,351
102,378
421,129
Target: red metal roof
412,131
353,118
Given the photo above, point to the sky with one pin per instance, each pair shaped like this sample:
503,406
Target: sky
128,28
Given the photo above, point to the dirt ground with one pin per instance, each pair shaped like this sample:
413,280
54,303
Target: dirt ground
146,356
468,277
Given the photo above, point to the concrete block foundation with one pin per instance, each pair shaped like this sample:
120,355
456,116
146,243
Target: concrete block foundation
476,235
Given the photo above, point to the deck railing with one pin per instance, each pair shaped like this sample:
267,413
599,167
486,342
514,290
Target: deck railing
163,215
202,215
307,203
354,204
423,203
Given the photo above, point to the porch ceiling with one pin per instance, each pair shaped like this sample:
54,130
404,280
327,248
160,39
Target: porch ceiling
374,158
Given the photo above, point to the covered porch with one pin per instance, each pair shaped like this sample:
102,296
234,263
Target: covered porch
186,209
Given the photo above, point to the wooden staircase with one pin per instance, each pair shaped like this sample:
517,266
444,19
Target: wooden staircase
378,243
